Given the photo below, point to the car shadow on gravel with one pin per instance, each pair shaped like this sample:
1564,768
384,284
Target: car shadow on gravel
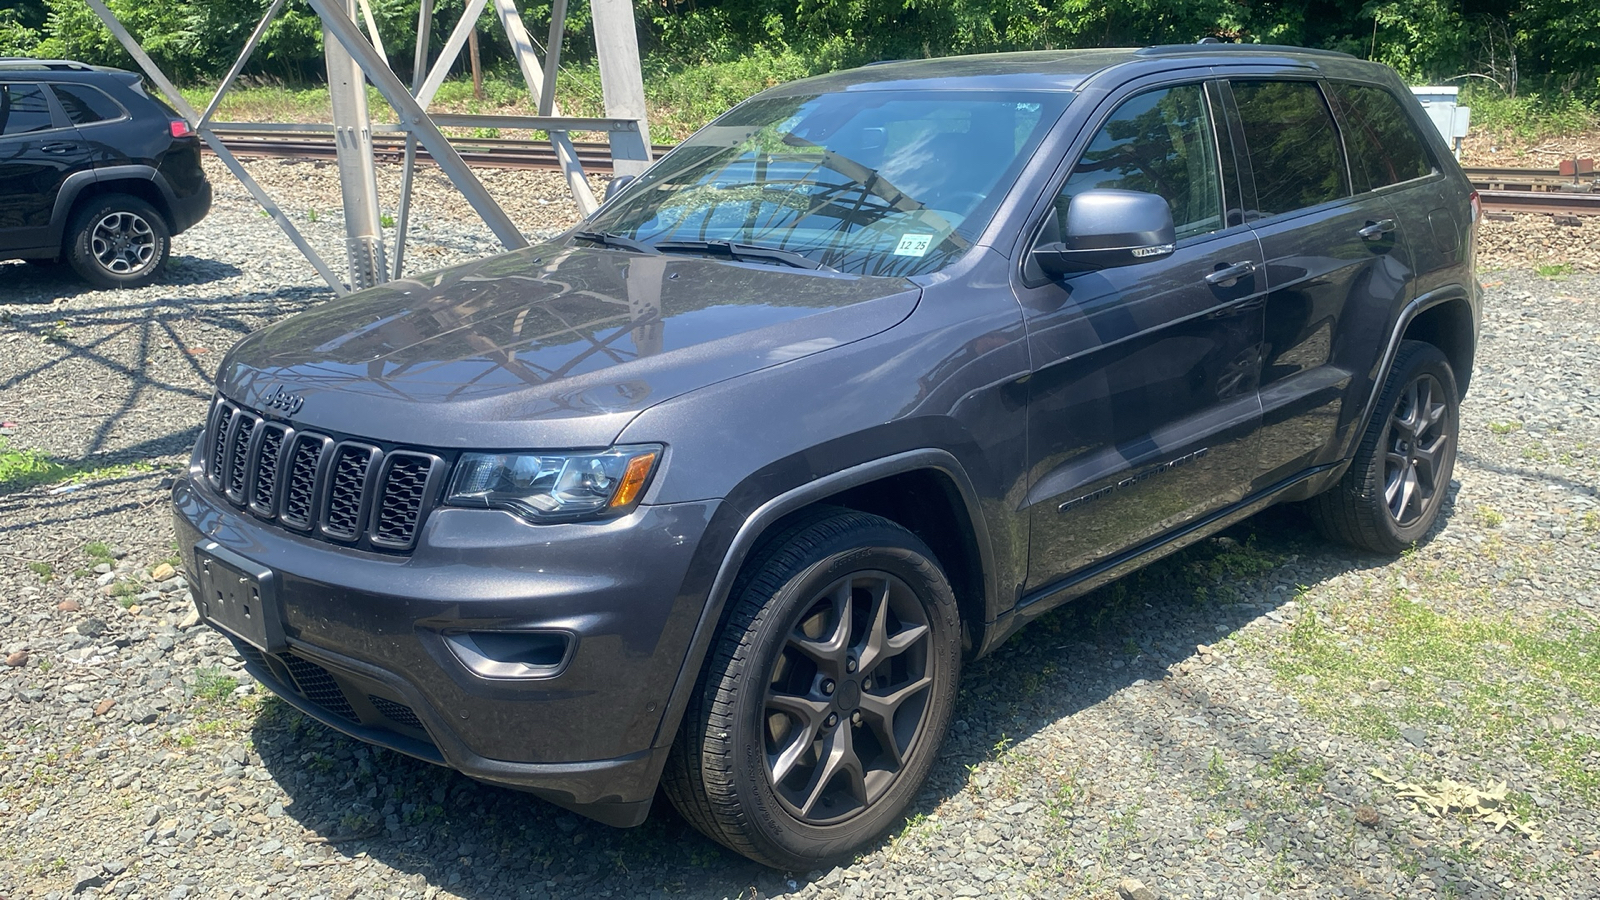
478,841
32,283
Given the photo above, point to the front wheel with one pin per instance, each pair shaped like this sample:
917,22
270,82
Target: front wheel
1393,491
118,241
823,703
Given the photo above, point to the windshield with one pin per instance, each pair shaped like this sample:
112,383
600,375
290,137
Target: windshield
866,182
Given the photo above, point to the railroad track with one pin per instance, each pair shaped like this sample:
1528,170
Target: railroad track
1536,190
508,153
1501,190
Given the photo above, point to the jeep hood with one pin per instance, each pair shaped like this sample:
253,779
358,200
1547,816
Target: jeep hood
547,347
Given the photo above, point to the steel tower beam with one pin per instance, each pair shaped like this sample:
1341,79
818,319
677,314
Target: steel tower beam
354,58
621,82
358,179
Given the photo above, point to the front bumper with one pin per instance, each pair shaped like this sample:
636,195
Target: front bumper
366,650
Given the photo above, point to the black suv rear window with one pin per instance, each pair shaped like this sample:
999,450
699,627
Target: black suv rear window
85,104
1294,149
1382,140
23,108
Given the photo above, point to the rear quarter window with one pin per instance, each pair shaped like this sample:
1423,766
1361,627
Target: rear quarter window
1382,140
86,105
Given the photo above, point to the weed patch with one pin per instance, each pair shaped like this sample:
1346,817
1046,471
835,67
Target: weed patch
1502,683
23,468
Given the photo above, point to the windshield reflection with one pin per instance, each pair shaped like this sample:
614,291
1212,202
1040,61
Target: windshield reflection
869,182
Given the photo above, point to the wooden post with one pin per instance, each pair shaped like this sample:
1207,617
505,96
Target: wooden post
477,67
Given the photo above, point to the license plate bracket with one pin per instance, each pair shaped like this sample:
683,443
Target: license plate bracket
239,597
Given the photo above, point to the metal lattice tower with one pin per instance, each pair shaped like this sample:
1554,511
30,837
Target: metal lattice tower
354,58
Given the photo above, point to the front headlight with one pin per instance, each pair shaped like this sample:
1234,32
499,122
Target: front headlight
555,487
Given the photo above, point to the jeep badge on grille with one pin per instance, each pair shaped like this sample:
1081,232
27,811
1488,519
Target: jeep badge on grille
283,401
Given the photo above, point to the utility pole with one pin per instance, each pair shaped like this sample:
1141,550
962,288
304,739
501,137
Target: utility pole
352,130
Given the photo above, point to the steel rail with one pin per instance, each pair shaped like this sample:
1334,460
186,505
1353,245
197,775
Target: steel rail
508,153
1541,202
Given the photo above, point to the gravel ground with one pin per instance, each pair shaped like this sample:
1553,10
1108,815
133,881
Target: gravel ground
1238,721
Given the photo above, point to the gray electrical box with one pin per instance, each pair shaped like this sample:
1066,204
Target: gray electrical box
1441,105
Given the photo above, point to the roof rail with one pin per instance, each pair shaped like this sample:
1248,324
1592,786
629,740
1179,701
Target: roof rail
23,62
1205,45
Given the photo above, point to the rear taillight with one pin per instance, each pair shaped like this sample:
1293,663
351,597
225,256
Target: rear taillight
1477,206
180,128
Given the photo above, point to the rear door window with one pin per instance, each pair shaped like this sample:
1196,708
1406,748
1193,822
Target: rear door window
1382,140
1294,147
1160,142
23,109
86,105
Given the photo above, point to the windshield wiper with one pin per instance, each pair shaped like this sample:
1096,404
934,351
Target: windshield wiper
735,251
608,239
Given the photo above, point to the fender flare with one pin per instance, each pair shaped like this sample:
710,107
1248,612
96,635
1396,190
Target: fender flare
74,185
1418,305
756,524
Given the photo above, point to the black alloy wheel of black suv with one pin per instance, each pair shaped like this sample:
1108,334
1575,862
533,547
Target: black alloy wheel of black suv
94,172
719,491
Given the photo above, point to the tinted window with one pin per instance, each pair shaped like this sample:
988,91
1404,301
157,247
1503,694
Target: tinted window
23,109
1294,149
1160,142
1382,141
85,104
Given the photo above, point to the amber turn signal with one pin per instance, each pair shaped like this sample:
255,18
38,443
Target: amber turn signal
633,479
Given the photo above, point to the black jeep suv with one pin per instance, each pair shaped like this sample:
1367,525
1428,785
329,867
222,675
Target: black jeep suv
93,171
719,489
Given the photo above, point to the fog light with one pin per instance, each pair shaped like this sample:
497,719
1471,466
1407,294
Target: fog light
512,654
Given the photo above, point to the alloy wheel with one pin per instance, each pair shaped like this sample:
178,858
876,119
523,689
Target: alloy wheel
1419,440
848,697
123,243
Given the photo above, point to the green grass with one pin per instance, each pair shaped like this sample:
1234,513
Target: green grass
44,570
23,468
213,684
679,97
1529,117
1503,683
125,590
1554,270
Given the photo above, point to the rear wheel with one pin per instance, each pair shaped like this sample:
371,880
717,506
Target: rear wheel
1392,493
824,701
118,241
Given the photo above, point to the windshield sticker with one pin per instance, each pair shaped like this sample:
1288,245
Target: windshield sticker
913,245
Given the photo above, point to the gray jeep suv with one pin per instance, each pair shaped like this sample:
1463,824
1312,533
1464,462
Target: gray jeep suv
719,490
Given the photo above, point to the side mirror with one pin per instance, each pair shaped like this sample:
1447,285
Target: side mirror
616,185
1109,228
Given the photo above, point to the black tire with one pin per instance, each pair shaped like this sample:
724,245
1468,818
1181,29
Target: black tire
1412,437
118,241
768,695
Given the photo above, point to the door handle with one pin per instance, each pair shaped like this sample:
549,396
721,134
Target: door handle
1376,230
59,148
1229,273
